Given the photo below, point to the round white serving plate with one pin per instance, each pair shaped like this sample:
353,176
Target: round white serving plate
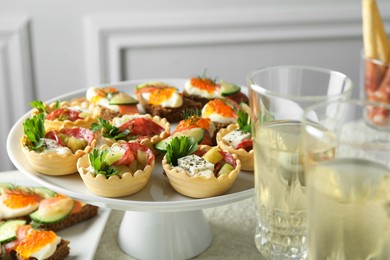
155,214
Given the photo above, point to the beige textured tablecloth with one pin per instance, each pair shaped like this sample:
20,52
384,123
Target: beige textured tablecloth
232,225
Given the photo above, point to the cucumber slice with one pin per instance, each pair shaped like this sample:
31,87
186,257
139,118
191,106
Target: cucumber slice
226,169
8,230
244,107
196,133
44,192
53,210
6,186
228,89
123,99
114,154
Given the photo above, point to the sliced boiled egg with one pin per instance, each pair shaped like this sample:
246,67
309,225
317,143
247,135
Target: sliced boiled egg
219,111
16,204
203,87
163,96
40,244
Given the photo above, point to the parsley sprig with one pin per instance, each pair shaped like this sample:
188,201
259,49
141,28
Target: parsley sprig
97,159
244,122
41,107
180,146
34,129
108,130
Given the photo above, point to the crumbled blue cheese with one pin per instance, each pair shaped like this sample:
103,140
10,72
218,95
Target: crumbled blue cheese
235,137
195,165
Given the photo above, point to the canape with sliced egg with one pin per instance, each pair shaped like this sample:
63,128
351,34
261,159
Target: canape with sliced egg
65,114
206,172
109,102
54,152
161,99
221,112
120,170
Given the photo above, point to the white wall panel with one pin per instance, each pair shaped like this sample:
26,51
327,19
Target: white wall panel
177,44
16,82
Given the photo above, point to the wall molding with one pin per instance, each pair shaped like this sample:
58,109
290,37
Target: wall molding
108,35
16,80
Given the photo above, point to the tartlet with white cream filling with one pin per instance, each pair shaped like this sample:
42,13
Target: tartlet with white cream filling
237,139
199,172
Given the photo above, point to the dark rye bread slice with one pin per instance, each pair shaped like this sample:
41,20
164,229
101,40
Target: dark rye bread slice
62,251
172,114
87,211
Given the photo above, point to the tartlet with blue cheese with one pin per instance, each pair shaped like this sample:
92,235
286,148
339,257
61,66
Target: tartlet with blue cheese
237,139
120,170
144,129
163,100
54,152
199,172
203,89
64,114
109,102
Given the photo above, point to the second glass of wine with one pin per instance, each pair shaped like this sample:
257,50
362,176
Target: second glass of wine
278,97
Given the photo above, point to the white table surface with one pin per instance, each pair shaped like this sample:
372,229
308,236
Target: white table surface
232,225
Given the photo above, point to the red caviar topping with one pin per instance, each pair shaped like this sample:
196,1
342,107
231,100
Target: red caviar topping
204,84
219,107
194,122
159,95
19,199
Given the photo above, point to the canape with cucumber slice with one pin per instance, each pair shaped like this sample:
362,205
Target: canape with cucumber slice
8,230
53,210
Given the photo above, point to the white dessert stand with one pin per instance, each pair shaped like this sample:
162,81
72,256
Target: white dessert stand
158,223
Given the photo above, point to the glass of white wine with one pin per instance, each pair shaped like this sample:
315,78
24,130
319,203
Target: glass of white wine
348,194
278,97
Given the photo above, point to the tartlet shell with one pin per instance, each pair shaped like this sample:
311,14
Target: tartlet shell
200,186
57,124
114,186
246,158
149,142
54,164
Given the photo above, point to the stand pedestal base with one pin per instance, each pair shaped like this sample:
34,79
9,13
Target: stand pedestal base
164,235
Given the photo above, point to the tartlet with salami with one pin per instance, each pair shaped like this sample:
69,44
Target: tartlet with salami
120,170
144,129
237,139
163,100
54,152
65,114
199,172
